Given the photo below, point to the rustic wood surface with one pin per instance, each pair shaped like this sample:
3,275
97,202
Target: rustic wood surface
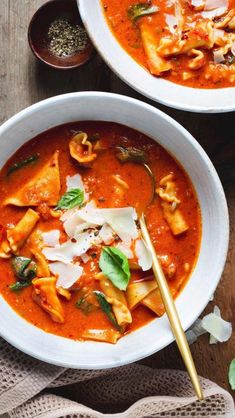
24,81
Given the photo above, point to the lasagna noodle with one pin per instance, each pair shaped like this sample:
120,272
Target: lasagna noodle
44,187
157,64
42,265
45,295
117,299
136,292
5,249
201,36
102,335
169,202
154,301
19,234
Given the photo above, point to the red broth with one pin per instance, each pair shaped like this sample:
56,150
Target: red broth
181,250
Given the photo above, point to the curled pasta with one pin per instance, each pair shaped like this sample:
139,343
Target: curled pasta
117,299
200,36
19,234
169,202
45,295
81,149
198,61
42,265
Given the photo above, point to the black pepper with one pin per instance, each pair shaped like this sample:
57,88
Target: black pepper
66,39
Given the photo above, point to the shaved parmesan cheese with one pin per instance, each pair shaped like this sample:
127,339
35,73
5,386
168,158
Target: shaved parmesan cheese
218,34
143,254
233,48
121,220
197,3
218,56
216,311
124,247
215,4
195,331
51,238
74,182
211,14
74,224
67,251
217,327
191,336
67,274
106,234
172,22
85,258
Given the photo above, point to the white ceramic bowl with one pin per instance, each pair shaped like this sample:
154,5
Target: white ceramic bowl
163,91
195,296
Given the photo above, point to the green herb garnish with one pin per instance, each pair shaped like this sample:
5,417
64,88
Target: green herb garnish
114,264
85,305
94,137
106,308
231,374
229,58
23,163
70,199
20,285
131,154
24,268
141,9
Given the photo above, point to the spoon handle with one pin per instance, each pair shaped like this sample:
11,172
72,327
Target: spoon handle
172,312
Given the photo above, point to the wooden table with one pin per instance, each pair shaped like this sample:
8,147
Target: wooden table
24,81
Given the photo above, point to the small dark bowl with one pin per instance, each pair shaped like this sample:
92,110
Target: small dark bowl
38,30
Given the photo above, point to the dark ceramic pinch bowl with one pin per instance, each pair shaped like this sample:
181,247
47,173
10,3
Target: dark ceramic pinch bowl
38,34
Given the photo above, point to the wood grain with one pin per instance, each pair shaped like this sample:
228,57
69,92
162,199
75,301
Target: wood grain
24,81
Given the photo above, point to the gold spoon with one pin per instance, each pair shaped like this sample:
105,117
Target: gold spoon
169,303
135,155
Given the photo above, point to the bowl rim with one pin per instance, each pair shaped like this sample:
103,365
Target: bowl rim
39,57
39,354
103,38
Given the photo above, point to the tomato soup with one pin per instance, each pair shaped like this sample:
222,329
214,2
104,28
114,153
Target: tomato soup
189,42
72,258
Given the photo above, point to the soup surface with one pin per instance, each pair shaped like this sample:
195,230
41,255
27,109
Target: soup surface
189,42
72,258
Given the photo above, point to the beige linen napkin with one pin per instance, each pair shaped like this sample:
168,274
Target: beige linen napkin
27,390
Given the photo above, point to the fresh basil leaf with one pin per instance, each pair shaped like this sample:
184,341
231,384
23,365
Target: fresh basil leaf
114,264
22,163
24,268
70,199
231,374
20,285
138,10
106,308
